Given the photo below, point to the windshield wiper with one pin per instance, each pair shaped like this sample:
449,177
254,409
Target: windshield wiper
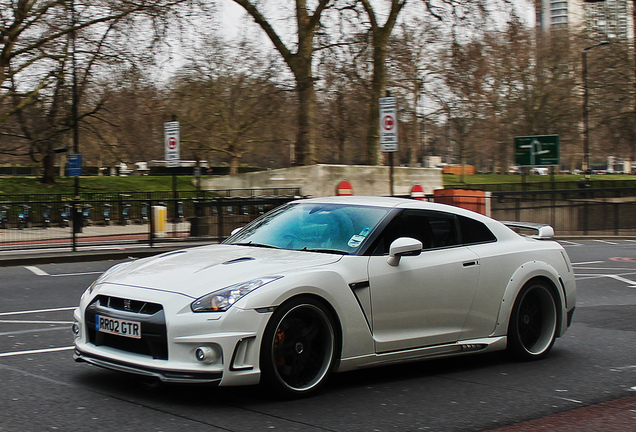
256,245
329,251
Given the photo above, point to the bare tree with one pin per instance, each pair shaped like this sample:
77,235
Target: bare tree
36,66
300,63
380,34
128,126
224,100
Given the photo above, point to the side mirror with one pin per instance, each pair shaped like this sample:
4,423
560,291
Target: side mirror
404,246
235,230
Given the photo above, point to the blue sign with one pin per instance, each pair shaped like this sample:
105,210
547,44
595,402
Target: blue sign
74,162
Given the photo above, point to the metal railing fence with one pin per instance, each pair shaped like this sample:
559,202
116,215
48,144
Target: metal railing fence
127,218
148,219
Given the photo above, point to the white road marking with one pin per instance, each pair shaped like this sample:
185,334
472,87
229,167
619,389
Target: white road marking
36,270
630,283
571,400
36,311
33,322
622,279
77,274
588,262
606,268
605,242
38,351
36,330
571,243
39,272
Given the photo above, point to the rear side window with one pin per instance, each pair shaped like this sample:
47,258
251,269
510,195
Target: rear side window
474,231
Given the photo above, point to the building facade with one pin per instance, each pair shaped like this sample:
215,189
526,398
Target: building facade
605,20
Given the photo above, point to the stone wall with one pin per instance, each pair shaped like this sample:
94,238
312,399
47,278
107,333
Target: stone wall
322,180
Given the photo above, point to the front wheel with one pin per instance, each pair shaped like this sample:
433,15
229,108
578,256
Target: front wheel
299,348
533,322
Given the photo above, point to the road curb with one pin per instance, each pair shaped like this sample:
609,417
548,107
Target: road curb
82,256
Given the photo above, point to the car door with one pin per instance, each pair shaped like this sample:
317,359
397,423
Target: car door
425,299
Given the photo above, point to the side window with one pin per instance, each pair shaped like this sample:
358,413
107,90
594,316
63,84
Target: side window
444,228
409,223
433,229
474,231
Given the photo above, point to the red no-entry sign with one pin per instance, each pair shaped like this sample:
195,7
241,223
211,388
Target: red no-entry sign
388,122
171,144
388,125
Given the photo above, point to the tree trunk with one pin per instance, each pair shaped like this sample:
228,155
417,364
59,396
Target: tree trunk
300,65
234,164
306,143
48,165
380,42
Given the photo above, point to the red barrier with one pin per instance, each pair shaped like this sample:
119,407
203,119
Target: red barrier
344,188
417,192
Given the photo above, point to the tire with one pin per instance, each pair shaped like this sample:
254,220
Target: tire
533,322
299,348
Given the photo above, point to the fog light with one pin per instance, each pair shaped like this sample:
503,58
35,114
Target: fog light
75,329
206,354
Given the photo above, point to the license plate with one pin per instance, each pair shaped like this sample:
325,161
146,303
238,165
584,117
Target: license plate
131,329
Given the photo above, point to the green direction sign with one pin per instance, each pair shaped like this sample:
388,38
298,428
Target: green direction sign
539,150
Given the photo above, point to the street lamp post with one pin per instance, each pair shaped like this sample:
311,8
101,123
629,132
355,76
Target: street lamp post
586,108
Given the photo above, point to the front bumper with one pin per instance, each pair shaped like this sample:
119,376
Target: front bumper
171,376
231,339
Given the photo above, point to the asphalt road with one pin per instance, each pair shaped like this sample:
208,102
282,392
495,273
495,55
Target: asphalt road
42,388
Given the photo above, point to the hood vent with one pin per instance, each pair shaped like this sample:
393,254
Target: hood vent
238,260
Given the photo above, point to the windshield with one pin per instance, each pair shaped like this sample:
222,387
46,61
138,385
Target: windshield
317,227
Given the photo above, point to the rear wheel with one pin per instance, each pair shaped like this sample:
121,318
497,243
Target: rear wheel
298,348
533,322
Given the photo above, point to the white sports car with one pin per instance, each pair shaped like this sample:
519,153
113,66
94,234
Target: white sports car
329,285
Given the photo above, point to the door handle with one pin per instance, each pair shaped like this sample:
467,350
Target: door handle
470,263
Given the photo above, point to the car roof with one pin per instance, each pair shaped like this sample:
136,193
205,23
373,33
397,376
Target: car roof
497,227
390,202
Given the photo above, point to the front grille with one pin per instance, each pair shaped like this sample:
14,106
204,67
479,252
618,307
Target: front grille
129,305
154,340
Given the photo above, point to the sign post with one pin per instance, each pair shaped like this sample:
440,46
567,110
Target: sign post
389,131
172,147
74,161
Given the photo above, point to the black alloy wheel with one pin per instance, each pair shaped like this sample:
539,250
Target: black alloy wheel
533,322
299,348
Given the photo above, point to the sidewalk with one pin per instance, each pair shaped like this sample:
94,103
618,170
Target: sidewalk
94,243
615,416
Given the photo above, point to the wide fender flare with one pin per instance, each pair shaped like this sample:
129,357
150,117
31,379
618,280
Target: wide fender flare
332,289
525,273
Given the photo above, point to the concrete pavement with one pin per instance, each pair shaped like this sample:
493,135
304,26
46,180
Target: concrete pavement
616,415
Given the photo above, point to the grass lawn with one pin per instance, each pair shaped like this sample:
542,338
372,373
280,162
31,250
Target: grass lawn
66,185
452,179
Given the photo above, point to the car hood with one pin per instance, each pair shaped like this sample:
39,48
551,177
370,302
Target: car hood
198,271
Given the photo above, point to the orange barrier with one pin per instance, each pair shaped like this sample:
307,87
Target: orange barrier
457,169
474,200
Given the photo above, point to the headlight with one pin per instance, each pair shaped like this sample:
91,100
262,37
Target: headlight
223,299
